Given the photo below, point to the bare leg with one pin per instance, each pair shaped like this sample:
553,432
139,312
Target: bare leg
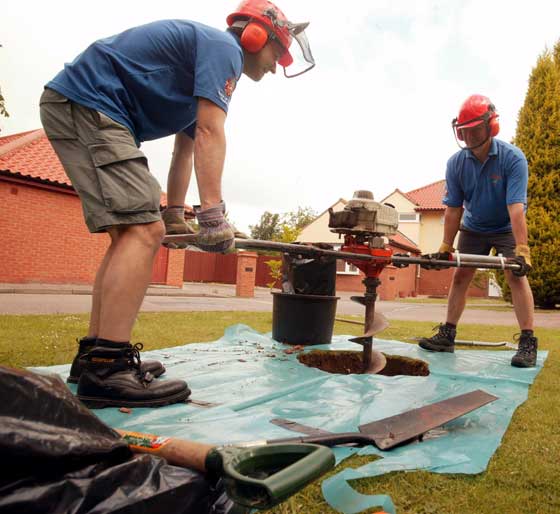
126,277
93,330
458,294
522,298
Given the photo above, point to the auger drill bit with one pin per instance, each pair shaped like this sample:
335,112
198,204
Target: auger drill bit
373,360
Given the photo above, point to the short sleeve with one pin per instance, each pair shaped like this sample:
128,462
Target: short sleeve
218,67
453,196
190,130
517,178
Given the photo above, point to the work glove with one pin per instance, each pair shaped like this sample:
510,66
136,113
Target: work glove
400,264
215,234
443,254
174,219
523,258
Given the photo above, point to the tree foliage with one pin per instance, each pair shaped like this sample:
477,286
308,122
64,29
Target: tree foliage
3,111
538,136
267,228
282,227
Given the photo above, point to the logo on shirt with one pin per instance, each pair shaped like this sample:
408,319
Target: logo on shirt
495,178
229,87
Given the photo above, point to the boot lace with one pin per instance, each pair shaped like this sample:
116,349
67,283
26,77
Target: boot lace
526,345
444,331
136,361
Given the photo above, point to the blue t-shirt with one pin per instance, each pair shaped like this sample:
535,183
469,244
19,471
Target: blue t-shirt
149,77
486,189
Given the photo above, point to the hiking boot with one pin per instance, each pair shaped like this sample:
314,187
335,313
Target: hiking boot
443,341
526,356
112,376
156,368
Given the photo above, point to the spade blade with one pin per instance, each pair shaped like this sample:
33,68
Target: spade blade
392,431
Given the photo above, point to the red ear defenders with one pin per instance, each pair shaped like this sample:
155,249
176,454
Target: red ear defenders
490,117
254,37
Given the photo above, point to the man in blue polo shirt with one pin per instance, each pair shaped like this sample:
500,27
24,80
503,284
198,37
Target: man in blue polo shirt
167,77
486,201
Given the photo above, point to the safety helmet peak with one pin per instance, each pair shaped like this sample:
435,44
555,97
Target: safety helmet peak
278,28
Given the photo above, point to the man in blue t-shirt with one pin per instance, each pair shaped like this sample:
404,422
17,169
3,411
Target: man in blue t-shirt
167,77
486,200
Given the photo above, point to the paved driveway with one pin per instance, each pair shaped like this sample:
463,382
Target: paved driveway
219,297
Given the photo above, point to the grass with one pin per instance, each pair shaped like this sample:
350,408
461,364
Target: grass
522,476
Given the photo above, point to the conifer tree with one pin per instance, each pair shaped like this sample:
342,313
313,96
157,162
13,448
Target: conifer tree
538,136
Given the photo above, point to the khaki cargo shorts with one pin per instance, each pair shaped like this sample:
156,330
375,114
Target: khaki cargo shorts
107,170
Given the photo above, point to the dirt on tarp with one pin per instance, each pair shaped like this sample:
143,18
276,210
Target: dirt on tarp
347,362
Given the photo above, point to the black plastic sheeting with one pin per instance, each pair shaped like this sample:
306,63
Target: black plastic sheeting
57,457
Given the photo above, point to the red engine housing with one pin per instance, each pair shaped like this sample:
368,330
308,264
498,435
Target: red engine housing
371,268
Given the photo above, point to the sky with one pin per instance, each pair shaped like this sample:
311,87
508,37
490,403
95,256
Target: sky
375,113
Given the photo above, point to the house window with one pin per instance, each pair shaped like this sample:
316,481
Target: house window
343,268
409,217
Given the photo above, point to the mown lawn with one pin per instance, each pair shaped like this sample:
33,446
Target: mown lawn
522,477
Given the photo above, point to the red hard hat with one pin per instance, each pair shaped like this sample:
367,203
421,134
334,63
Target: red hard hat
272,17
475,110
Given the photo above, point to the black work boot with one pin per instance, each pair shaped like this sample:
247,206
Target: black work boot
443,341
112,376
156,368
526,356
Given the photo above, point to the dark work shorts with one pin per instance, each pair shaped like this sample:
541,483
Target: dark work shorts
107,170
480,243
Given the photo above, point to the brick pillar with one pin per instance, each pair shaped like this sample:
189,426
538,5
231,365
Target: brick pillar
388,289
246,273
175,265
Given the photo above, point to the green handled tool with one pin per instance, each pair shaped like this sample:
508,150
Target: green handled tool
263,476
257,477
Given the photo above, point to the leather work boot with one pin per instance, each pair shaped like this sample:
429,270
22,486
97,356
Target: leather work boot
175,223
156,368
112,376
526,356
443,341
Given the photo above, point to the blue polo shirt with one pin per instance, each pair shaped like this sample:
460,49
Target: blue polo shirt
486,189
149,78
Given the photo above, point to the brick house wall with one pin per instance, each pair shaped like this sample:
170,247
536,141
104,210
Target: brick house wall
438,283
45,239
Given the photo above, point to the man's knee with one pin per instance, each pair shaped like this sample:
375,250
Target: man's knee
148,234
515,282
462,277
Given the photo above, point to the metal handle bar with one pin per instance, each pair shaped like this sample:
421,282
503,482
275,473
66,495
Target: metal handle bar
459,260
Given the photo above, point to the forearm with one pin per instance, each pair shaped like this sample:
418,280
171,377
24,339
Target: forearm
180,170
518,223
451,223
209,157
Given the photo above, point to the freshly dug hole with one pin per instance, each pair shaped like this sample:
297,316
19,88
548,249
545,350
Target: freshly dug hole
347,362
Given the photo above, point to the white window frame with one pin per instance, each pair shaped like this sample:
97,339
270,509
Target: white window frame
349,269
415,220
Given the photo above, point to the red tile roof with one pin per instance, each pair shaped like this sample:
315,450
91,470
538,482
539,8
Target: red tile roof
400,240
30,155
428,198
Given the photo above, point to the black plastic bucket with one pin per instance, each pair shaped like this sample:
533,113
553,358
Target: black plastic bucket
303,318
